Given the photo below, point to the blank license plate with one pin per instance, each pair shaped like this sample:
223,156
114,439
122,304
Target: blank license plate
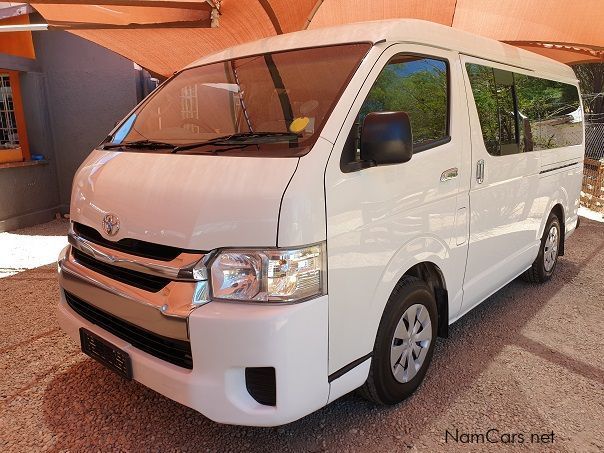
101,350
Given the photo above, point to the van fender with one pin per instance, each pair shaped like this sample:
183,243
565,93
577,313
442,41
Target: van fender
560,196
418,250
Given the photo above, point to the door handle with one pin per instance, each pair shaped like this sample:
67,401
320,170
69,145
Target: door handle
480,171
449,174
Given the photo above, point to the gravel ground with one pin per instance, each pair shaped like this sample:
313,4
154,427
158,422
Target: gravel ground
529,360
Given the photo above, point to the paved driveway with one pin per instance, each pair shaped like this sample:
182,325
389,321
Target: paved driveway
527,361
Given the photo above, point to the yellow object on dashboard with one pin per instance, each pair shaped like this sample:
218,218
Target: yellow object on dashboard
299,124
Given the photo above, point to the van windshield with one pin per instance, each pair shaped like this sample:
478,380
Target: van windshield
273,105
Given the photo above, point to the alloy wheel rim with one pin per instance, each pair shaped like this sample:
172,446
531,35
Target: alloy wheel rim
410,343
550,250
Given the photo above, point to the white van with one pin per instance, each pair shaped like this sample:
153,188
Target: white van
292,219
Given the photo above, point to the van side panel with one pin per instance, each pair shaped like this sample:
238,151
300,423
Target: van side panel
563,187
511,204
505,213
383,220
561,177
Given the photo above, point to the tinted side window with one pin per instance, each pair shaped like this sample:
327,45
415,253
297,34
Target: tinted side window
493,91
520,113
550,113
415,85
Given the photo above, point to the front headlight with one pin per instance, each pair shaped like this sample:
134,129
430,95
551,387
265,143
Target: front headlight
277,275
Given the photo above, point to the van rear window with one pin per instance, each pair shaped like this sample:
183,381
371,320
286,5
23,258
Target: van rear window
273,104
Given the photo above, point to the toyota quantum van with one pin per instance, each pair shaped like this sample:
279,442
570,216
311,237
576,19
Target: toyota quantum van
292,219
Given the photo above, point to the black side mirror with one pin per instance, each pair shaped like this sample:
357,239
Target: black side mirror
386,138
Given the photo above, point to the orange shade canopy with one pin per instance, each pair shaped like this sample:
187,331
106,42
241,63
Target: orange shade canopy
111,14
569,32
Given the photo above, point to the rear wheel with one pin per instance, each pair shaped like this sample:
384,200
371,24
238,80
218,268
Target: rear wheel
404,343
545,264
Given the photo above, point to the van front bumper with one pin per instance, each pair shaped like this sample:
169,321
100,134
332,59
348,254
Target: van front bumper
226,338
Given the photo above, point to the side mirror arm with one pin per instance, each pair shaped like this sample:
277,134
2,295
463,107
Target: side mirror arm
359,165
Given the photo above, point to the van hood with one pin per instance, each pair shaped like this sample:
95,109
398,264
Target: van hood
196,202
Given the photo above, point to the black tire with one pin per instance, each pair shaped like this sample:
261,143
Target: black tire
381,386
539,272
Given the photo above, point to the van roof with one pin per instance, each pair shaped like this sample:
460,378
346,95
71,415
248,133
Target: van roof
400,30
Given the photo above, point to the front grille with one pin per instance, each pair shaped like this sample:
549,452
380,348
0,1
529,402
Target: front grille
151,283
177,352
132,246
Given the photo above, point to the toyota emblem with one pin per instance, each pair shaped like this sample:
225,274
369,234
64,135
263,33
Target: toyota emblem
111,224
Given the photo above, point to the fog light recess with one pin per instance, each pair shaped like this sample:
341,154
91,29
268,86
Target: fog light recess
261,385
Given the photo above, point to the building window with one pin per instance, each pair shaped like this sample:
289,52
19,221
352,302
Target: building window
9,138
13,142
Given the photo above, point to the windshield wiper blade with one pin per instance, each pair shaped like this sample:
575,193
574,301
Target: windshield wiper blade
264,134
228,140
140,144
231,146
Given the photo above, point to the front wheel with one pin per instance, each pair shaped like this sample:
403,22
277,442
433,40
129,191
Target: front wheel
545,264
404,343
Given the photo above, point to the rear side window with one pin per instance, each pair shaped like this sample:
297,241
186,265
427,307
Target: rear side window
416,85
520,113
550,113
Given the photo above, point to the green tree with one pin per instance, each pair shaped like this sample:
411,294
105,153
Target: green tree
591,80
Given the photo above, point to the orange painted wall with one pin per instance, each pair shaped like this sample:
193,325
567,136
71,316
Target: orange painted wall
18,43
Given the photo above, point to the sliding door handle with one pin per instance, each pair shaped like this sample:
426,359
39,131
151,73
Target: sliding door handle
480,171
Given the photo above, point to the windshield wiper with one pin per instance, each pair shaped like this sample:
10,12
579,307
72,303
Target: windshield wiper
140,144
238,138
